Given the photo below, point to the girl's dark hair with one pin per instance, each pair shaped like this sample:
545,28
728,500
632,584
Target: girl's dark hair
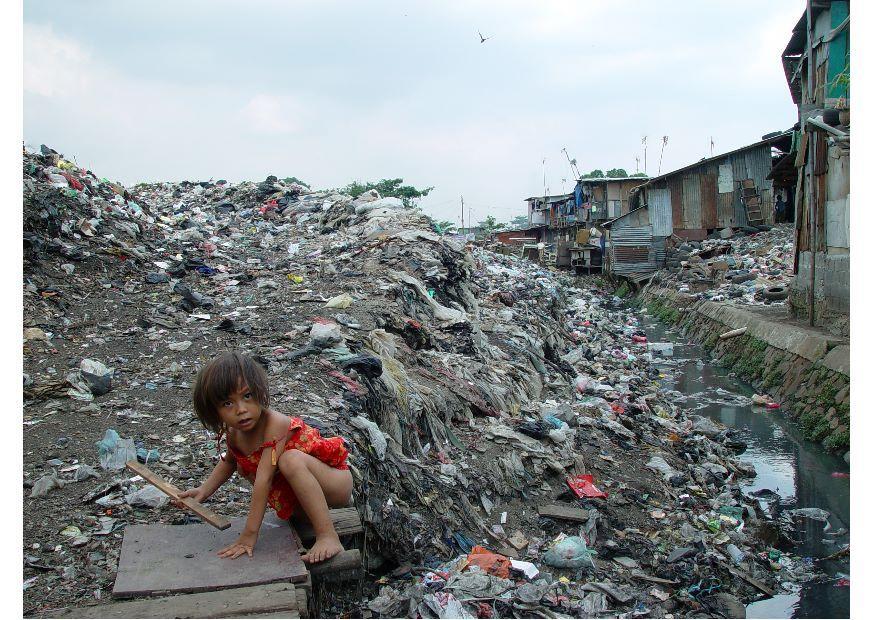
220,378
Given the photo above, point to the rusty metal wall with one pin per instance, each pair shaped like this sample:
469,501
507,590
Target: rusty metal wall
692,200
659,208
725,209
708,193
676,189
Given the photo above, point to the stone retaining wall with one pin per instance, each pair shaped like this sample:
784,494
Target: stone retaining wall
807,373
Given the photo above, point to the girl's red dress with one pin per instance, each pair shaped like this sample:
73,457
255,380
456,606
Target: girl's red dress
308,440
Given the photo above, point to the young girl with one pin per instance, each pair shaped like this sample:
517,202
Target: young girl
291,467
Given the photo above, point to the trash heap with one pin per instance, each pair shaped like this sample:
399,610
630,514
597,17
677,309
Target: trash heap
750,268
511,446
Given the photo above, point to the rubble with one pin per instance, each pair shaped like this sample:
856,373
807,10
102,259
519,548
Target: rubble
753,267
471,387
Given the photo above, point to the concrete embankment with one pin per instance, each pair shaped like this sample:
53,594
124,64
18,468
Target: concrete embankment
806,370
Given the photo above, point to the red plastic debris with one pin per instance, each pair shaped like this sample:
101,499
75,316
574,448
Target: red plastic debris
489,562
583,487
773,406
840,474
484,610
843,583
617,408
639,339
349,384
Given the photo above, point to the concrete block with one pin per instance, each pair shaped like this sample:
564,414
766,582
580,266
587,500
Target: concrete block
839,360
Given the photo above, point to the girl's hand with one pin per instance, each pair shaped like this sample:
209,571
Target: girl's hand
197,494
244,544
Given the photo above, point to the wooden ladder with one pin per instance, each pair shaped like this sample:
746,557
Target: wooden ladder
750,198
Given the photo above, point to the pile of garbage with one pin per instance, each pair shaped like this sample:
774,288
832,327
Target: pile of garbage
510,443
753,268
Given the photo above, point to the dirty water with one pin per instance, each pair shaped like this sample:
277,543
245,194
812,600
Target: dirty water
800,472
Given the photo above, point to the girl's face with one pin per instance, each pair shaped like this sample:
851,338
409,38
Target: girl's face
240,410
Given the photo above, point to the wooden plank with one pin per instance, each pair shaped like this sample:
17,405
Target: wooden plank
254,601
567,513
213,518
342,567
346,522
759,585
159,558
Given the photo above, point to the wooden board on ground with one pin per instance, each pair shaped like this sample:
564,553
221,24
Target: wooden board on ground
567,513
214,519
346,522
182,558
267,601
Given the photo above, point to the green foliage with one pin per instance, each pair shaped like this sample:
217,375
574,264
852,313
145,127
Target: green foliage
489,225
617,172
520,221
839,441
595,174
296,180
623,290
639,174
388,188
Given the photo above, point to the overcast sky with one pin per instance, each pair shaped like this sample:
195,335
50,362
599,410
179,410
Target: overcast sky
332,92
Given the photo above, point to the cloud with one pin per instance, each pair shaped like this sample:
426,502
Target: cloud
273,114
53,65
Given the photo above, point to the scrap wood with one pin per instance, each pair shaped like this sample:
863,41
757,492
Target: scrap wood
645,577
214,519
567,513
759,585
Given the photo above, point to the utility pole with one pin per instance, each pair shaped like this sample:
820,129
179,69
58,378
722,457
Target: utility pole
462,198
644,142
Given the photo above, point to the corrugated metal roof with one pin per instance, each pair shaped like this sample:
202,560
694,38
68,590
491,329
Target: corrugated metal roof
554,198
605,179
761,143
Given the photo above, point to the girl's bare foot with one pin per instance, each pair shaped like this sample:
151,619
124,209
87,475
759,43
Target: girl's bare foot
326,546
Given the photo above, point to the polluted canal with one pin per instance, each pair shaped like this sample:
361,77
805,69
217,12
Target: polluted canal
793,475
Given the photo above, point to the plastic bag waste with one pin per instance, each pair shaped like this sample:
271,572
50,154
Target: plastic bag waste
115,451
324,335
341,302
148,496
45,484
570,552
97,376
85,472
489,562
378,440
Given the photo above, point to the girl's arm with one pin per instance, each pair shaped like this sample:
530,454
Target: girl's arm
223,470
245,543
260,490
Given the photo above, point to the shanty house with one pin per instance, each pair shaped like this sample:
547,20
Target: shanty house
817,66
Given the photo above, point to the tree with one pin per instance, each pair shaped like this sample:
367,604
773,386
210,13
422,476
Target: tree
520,221
296,180
488,225
445,226
388,188
617,173
595,174
638,174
